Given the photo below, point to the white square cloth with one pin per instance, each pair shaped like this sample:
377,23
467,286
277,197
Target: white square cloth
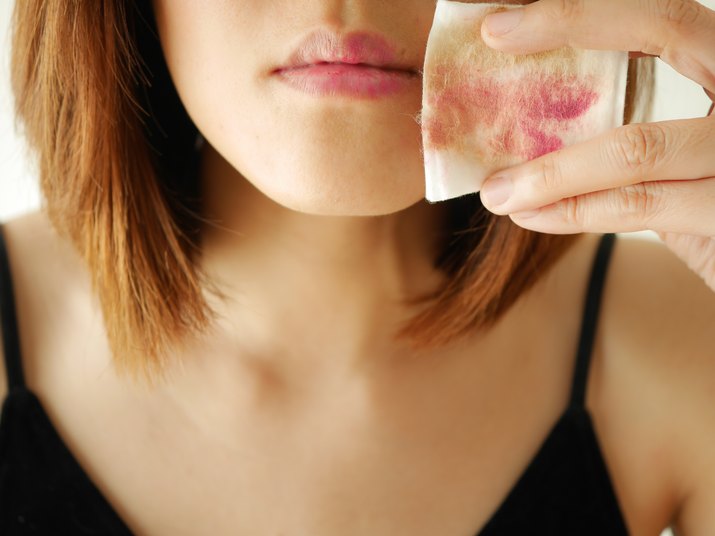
483,110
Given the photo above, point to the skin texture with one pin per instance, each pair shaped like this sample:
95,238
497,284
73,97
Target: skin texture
299,390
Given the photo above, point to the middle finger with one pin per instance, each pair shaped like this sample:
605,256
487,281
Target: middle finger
667,150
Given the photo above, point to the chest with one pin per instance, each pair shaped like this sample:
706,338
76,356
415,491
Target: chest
432,464
433,455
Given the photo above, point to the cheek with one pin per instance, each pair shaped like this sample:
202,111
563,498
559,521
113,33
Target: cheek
202,49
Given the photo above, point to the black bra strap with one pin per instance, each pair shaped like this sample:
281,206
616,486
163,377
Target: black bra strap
8,320
590,319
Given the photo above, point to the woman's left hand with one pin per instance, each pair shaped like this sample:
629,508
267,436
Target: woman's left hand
657,176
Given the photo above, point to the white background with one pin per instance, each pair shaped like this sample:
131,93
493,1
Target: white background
677,97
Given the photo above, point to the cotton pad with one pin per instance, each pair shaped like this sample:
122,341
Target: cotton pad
483,110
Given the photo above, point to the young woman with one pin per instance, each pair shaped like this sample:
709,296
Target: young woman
236,314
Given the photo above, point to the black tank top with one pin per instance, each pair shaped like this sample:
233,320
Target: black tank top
565,489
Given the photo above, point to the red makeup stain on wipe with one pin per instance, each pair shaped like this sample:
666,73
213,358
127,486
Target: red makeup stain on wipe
520,118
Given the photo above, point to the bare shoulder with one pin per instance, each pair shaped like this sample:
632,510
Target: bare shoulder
664,304
654,382
41,264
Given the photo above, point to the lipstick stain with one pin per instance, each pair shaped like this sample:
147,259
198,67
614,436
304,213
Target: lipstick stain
522,117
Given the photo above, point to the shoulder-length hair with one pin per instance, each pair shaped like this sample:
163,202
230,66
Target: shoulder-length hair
118,161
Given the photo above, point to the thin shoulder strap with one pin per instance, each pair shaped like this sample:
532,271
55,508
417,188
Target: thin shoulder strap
8,320
590,319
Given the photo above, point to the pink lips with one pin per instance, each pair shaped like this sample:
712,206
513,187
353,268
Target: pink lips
361,64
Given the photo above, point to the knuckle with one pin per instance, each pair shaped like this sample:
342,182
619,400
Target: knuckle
679,12
639,202
569,9
640,148
551,178
573,210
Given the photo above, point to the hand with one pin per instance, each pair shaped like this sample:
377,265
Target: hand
658,176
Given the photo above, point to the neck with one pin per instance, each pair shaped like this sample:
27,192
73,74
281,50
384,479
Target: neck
302,289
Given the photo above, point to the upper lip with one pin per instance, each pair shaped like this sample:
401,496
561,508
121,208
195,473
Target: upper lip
360,47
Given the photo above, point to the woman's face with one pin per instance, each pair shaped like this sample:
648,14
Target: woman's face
330,154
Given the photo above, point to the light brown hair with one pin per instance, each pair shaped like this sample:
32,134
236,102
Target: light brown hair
118,168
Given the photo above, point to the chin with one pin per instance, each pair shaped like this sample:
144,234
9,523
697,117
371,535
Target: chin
357,170
346,190
346,206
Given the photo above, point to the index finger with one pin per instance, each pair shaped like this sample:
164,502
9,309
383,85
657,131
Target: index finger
676,150
681,32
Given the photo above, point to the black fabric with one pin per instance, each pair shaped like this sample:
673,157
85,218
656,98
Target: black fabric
43,490
566,489
8,319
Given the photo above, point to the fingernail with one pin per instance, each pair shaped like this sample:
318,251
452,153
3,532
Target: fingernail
503,22
496,191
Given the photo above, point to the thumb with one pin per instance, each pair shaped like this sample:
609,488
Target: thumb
550,24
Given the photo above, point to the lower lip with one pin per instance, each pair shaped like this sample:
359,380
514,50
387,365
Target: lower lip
349,80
